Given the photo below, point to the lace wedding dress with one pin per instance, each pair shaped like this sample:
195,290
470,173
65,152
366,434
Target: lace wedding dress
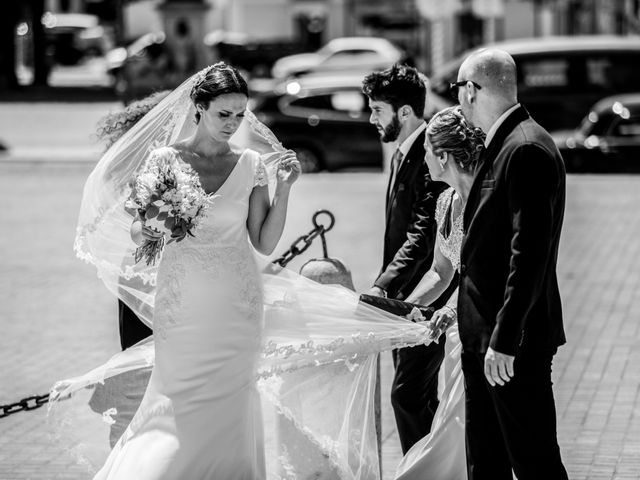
255,372
441,454
200,415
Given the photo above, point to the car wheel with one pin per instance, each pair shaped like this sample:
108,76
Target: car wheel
309,159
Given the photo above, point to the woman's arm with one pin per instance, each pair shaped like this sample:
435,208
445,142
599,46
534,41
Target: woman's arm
435,281
266,220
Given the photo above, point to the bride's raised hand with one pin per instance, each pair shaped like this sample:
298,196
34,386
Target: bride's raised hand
289,169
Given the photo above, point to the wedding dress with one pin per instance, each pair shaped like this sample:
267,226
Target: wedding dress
441,454
200,415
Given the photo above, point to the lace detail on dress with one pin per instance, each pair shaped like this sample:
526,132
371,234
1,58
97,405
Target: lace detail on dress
451,242
261,177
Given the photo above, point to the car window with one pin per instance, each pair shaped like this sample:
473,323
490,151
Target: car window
619,73
313,102
359,51
339,105
629,127
544,73
346,58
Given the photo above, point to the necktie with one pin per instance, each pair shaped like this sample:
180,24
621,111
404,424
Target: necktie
395,166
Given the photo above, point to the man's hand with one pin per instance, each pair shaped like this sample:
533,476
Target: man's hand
377,292
498,367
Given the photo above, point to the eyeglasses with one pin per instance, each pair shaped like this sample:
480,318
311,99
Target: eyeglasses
454,86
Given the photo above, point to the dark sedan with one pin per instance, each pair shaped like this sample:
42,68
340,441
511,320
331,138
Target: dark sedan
325,119
608,140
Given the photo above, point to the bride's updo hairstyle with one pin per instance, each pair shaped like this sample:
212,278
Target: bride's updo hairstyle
448,131
215,80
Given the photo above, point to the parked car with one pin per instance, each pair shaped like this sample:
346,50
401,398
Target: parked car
355,54
325,119
72,36
608,139
254,56
559,78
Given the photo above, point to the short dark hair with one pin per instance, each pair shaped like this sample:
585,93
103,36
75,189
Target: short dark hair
398,85
216,80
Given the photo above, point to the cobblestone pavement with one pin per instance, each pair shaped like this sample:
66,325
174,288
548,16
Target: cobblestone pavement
58,320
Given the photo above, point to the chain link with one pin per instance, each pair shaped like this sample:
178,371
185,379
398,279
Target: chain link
26,404
303,242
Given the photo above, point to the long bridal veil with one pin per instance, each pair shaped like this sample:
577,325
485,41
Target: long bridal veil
317,370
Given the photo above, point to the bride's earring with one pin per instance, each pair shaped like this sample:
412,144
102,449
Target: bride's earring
442,160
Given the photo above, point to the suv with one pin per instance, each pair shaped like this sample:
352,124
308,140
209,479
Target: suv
324,119
559,78
345,54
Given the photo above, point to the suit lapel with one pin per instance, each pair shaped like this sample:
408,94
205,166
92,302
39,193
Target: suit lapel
488,156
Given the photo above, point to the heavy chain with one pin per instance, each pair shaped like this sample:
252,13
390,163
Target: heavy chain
303,242
299,246
28,403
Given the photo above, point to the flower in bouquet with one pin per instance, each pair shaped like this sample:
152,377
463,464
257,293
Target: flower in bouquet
170,200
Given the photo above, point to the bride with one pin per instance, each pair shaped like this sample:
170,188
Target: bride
225,337
452,151
208,312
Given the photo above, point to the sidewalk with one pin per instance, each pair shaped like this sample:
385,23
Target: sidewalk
57,318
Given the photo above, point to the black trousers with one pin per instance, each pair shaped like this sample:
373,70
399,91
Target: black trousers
414,392
512,426
132,330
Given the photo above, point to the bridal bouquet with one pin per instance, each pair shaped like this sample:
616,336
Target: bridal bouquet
170,200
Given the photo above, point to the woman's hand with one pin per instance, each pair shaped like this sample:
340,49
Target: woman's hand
141,232
289,169
441,320
150,233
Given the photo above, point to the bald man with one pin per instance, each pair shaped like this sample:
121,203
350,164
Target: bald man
509,310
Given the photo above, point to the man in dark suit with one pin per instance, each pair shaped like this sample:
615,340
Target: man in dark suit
397,99
509,311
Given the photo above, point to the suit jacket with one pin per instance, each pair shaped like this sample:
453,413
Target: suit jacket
509,298
410,227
